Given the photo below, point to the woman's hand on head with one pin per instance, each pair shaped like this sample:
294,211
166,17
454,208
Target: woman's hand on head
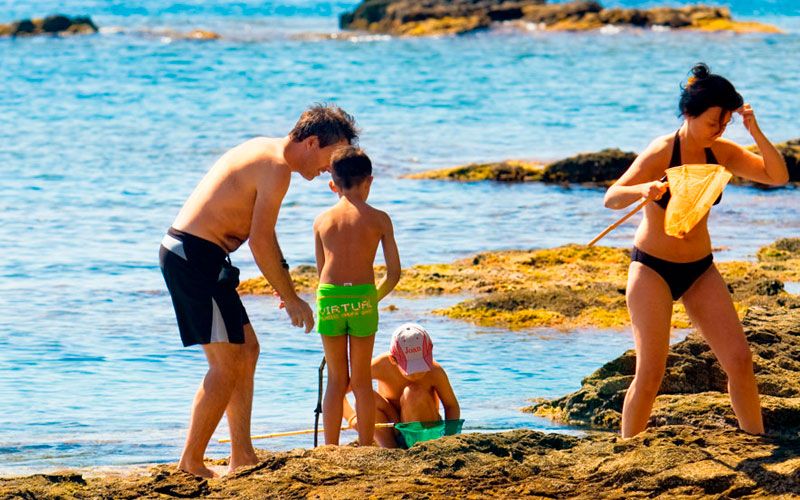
748,118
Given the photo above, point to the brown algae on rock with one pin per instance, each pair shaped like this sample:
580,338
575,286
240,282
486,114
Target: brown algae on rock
566,287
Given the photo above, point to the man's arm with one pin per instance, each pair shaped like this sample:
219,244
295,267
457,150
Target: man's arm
392,258
452,411
270,190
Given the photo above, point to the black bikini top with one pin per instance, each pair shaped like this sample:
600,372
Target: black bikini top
675,161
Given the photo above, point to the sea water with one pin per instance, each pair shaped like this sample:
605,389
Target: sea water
103,137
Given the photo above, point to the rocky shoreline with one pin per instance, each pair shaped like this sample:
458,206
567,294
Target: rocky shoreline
565,287
452,17
599,168
692,449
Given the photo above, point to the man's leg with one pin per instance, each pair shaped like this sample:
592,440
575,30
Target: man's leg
418,404
209,404
240,406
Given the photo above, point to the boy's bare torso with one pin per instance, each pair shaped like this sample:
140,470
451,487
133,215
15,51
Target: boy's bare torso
350,233
221,207
392,383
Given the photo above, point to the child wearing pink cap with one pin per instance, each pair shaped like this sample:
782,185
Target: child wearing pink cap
411,386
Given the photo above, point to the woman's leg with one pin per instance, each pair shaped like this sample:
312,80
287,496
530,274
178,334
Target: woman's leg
711,310
361,383
336,360
650,307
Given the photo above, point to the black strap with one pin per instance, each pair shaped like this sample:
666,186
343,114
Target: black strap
675,161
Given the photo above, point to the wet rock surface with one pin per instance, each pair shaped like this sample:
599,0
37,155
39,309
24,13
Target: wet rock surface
600,168
51,25
694,390
566,287
437,17
692,449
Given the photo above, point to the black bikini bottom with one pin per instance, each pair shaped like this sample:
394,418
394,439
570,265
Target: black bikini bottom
680,276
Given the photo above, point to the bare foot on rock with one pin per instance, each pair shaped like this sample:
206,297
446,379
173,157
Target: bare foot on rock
199,470
247,461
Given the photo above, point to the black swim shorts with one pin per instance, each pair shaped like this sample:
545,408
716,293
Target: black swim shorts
202,282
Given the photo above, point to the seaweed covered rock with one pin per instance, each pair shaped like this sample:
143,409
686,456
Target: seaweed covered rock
51,25
694,388
436,17
568,286
599,168
505,171
602,167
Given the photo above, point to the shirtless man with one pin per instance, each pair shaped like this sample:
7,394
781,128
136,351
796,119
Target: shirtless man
411,385
237,200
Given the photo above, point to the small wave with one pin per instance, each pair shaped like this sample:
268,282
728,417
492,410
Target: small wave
342,36
611,29
111,30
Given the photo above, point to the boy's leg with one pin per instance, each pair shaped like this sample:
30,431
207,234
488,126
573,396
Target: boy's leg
336,360
240,406
361,383
385,413
417,404
209,404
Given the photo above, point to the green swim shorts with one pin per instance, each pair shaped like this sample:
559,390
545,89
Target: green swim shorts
347,310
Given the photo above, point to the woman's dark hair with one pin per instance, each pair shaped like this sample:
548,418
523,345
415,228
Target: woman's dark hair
329,123
706,90
350,166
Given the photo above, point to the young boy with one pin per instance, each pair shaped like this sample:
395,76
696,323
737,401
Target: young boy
411,385
347,238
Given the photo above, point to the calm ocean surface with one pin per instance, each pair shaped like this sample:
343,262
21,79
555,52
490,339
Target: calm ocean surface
103,137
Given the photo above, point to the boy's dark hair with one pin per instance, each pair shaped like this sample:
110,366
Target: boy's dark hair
705,90
328,122
350,166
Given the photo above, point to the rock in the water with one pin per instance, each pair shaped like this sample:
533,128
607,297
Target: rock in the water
600,168
436,17
56,24
694,388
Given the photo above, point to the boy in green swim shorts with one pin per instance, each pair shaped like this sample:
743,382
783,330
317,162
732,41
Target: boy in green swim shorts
347,237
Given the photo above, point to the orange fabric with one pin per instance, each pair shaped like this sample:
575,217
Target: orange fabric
694,189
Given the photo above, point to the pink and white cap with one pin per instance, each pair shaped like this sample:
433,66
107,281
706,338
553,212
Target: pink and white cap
412,348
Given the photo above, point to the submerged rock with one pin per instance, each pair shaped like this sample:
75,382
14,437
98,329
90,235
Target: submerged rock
419,18
51,25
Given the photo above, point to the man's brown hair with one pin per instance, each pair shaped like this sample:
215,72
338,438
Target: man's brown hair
328,122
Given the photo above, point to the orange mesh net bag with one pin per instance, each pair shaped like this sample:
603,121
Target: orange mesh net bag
693,188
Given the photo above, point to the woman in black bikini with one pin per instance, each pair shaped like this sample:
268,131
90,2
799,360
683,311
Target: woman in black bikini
665,268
